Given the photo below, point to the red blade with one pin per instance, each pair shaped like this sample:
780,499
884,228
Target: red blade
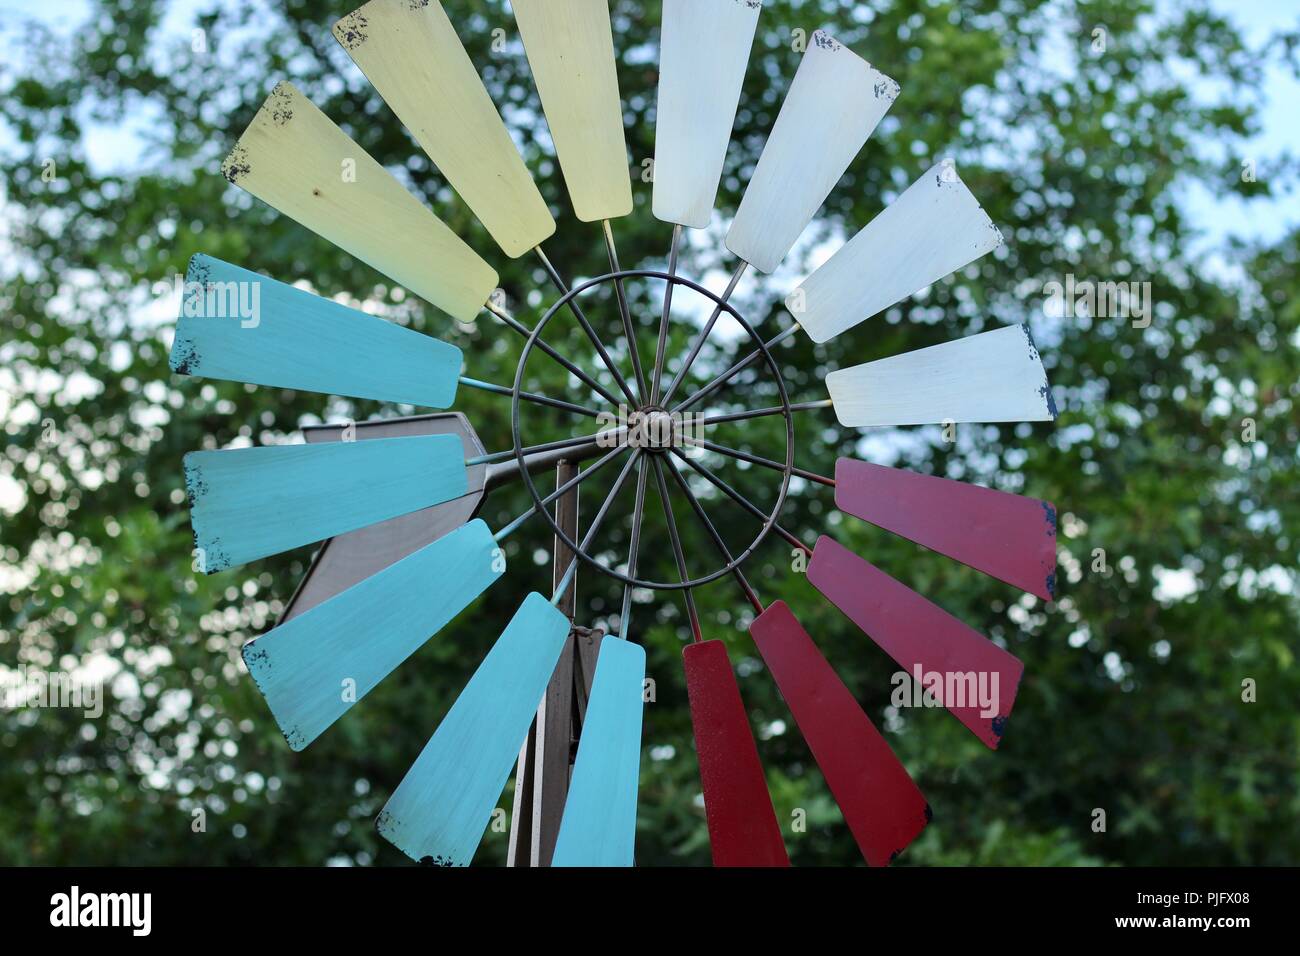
742,823
1010,537
882,806
917,634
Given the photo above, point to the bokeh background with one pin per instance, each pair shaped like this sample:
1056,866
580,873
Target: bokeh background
1167,157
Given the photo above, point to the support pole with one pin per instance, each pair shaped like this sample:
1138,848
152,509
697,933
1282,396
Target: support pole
546,758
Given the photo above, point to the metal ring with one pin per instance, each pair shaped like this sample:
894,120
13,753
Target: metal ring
786,412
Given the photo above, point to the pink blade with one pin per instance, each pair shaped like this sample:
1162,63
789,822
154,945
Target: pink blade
1011,537
742,824
882,806
917,634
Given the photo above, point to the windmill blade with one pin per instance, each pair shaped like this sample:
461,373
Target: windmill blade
316,666
977,679
293,339
598,827
834,104
743,830
703,51
293,158
570,51
348,559
991,377
248,503
444,803
1010,537
413,57
881,804
933,229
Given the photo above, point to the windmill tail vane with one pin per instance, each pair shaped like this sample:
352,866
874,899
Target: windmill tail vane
417,484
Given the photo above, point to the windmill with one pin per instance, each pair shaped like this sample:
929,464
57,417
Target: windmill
424,484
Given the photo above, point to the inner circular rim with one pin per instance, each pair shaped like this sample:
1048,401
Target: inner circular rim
768,525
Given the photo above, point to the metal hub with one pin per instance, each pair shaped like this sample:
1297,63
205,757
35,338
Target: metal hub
662,435
654,429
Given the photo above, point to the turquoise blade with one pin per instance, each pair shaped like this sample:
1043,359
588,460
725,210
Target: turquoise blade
239,326
312,669
445,801
599,823
247,503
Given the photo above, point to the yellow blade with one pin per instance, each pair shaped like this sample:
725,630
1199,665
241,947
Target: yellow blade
293,158
412,55
571,53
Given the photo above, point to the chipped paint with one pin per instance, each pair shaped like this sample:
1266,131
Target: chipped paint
279,105
1050,514
886,88
1029,338
236,165
185,358
827,42
1045,392
1051,585
999,725
351,30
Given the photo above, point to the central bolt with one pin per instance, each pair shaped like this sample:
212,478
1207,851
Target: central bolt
653,429
659,429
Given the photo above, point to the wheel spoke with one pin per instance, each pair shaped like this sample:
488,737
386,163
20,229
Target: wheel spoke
691,611
750,594
523,330
704,333
596,522
629,331
744,502
757,460
657,383
567,486
634,548
576,309
726,376
533,397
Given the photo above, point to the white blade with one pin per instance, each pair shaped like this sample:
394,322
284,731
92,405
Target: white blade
571,52
293,158
703,53
991,377
935,228
834,104
412,55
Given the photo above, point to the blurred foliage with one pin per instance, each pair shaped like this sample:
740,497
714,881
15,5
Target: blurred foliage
1131,700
